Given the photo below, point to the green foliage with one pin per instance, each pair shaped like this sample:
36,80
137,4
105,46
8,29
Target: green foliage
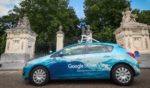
45,16
104,15
2,43
10,19
143,16
106,35
5,23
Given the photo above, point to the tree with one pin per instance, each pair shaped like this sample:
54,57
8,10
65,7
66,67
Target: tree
143,16
104,15
45,16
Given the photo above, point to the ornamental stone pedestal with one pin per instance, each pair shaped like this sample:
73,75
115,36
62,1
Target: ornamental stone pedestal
20,45
60,39
132,35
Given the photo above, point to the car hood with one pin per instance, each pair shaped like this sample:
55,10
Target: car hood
40,59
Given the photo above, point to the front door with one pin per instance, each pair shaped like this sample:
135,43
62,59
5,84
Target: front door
69,63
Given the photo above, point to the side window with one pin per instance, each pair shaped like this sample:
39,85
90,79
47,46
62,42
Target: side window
75,50
109,48
97,48
56,54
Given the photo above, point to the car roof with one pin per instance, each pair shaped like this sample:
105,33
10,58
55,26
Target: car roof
105,43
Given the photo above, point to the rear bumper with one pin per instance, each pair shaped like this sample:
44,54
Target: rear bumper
137,70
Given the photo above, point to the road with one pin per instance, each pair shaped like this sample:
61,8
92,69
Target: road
145,61
13,79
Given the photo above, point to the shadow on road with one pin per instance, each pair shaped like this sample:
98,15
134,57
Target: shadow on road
98,81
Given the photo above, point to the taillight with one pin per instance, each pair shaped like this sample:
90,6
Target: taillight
137,56
131,54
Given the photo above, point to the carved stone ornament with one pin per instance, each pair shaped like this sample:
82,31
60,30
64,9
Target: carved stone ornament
128,16
23,23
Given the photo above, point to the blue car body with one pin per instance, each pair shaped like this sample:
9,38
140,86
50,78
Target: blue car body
93,65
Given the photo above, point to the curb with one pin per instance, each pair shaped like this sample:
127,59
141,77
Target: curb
10,69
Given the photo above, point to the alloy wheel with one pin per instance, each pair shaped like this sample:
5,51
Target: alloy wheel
123,75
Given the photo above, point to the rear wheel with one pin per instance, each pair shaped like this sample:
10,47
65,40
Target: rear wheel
39,76
122,75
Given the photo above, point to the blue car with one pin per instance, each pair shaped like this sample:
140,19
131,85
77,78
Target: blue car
84,61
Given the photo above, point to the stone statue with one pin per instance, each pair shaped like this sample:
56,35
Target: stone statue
23,23
128,16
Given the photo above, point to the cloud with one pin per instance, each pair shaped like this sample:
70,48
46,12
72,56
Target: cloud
6,5
3,11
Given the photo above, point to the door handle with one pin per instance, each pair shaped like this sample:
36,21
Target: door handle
106,56
76,59
79,59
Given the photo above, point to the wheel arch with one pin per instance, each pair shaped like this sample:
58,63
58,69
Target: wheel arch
123,64
39,66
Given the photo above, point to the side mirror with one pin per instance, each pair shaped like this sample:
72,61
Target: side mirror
61,54
50,51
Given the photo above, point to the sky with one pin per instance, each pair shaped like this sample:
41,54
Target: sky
6,5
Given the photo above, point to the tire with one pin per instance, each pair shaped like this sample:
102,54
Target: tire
39,76
122,75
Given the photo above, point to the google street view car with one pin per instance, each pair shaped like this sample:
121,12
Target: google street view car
84,61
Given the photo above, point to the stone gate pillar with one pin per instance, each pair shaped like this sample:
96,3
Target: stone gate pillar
60,39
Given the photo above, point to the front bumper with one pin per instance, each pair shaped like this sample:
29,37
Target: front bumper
26,72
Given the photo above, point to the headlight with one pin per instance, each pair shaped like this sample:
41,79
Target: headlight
28,63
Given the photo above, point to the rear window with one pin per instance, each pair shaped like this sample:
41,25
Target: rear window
109,48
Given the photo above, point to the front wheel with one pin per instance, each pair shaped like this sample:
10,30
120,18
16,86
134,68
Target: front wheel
122,75
39,76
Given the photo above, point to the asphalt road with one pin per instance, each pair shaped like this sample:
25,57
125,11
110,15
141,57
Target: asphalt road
13,79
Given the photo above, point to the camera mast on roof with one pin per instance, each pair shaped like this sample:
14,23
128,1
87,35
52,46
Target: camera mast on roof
86,35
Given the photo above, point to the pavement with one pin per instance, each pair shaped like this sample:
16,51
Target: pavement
145,60
13,79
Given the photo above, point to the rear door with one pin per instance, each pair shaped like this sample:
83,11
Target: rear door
96,58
